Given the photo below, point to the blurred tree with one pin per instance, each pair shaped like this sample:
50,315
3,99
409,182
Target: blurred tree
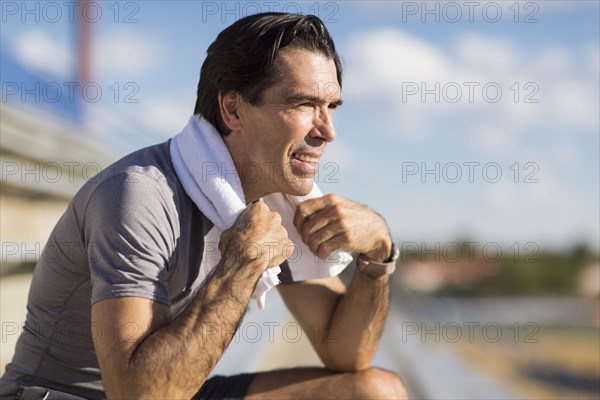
530,272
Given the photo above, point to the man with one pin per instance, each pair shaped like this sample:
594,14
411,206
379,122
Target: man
126,262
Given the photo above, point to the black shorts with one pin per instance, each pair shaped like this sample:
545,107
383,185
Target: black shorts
225,387
217,387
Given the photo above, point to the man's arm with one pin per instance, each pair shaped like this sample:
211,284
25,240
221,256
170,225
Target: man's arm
144,353
344,324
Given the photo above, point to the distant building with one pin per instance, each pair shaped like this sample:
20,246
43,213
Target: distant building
422,274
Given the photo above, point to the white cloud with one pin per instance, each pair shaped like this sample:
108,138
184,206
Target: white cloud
554,100
567,156
493,55
128,52
592,56
502,197
42,53
391,57
573,104
551,61
478,78
491,139
339,153
165,117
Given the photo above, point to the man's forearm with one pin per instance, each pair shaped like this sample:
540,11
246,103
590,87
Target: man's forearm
174,361
357,323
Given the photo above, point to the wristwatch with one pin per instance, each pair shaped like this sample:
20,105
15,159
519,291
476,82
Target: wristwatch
377,269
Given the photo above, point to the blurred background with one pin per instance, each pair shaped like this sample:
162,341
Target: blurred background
472,127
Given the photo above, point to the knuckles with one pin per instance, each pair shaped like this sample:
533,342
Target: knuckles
259,234
259,206
337,209
332,198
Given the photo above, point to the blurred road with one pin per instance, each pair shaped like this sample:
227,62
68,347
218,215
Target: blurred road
433,370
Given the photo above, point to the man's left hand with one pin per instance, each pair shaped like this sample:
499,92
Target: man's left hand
332,222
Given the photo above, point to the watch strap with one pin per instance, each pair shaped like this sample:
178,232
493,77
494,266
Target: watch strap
377,269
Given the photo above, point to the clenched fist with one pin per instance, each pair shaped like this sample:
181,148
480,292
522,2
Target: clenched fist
257,240
333,222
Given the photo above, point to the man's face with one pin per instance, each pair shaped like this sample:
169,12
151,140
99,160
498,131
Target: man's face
286,135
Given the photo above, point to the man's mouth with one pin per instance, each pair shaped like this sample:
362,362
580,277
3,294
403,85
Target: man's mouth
305,158
305,164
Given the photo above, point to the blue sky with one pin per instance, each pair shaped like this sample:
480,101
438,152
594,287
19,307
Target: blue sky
472,89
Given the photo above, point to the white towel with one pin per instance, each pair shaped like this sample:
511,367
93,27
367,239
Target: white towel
206,171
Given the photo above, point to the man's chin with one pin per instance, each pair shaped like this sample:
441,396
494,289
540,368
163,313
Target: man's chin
301,187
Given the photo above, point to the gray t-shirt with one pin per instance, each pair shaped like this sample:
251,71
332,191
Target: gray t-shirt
130,231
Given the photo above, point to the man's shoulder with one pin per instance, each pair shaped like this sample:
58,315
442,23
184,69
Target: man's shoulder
145,176
152,163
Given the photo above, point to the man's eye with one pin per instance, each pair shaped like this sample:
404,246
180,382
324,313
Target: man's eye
333,106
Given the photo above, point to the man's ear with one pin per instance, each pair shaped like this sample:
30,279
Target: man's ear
229,104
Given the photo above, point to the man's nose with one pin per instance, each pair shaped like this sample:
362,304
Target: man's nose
324,128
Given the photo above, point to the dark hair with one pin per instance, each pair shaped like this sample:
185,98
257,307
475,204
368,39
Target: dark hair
242,58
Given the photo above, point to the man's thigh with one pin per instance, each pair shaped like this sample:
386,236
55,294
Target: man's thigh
320,383
305,383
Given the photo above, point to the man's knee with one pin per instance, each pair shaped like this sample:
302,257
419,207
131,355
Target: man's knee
375,383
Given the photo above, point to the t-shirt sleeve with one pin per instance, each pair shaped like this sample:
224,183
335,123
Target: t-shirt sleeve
129,238
285,276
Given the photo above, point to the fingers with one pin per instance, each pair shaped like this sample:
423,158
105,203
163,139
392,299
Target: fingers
259,208
257,237
326,240
272,237
318,221
325,249
224,240
286,249
331,222
312,210
309,207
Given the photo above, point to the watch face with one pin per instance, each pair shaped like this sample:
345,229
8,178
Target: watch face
395,253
